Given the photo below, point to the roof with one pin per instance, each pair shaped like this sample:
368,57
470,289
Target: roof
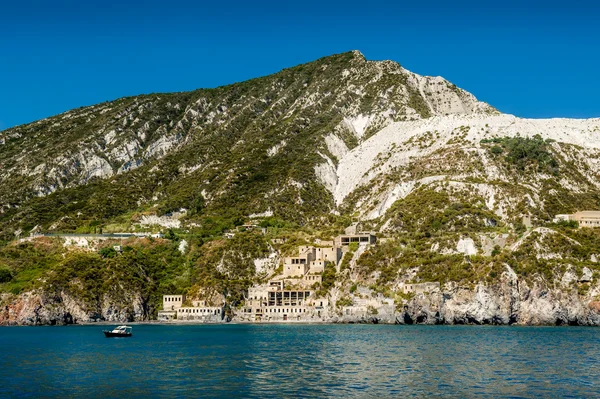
588,214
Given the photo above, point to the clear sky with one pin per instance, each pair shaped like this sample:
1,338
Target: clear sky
529,58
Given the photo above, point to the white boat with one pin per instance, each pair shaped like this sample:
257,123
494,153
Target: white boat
120,331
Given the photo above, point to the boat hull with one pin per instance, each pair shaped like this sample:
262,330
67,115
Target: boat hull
110,334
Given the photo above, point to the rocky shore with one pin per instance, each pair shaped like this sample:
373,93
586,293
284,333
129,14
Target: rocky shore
509,301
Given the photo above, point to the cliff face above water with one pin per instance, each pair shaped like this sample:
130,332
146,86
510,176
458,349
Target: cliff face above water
506,303
459,194
509,302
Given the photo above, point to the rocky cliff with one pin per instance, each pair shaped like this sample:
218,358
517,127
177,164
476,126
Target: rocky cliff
42,308
509,301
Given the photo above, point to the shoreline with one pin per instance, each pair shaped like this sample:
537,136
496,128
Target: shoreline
306,323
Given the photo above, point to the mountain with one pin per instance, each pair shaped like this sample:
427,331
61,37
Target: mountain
307,151
247,147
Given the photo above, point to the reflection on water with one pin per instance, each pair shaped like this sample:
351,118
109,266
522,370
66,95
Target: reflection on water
300,361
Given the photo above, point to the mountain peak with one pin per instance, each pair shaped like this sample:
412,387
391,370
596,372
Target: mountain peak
358,54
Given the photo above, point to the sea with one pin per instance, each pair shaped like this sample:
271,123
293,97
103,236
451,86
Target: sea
300,360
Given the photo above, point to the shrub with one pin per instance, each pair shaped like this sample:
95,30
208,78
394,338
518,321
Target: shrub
496,150
5,275
107,252
345,301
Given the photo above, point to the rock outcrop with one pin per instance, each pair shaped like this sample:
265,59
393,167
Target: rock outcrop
509,301
41,308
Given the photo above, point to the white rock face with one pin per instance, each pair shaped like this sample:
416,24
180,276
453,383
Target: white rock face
161,146
586,275
568,278
265,214
170,222
336,146
94,166
276,148
80,242
352,167
326,173
358,124
182,246
263,266
466,246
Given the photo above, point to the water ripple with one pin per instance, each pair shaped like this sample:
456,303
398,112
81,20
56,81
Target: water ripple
332,361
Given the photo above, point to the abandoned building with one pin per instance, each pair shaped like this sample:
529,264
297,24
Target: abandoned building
212,313
360,238
171,303
584,218
310,260
288,296
420,288
272,302
173,309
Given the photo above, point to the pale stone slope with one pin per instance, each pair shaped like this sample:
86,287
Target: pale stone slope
360,165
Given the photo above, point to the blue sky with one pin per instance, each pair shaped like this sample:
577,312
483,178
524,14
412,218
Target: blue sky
529,58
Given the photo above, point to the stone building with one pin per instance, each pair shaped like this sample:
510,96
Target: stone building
291,296
584,218
310,260
587,218
272,302
199,311
205,313
171,303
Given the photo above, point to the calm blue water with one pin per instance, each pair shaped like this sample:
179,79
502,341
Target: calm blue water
340,361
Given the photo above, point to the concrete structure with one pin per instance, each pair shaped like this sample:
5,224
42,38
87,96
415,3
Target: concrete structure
291,296
100,236
310,260
311,279
206,313
171,304
584,218
421,288
199,311
317,266
332,254
272,302
361,238
296,266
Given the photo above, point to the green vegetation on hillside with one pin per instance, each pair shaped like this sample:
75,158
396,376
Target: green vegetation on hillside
525,152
